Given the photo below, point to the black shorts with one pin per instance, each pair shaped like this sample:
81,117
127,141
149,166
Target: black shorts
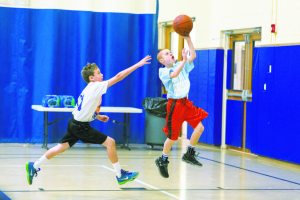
82,131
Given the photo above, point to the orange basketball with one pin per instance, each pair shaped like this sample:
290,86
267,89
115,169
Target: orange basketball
183,25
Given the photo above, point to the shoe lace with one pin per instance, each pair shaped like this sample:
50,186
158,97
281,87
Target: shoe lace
194,154
124,172
164,161
35,173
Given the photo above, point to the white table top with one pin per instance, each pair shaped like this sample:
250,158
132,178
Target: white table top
103,109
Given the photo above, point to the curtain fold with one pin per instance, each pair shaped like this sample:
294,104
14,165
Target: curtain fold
43,52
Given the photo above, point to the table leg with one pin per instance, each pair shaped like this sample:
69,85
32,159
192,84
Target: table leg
45,142
126,132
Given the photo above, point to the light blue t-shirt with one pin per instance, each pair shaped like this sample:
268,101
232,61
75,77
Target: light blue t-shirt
179,86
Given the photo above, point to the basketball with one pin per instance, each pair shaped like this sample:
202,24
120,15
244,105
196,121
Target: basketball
183,25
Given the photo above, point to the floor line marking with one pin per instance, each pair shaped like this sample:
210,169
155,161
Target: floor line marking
147,185
249,170
3,196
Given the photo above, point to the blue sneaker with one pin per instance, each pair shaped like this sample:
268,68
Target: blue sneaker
31,172
126,176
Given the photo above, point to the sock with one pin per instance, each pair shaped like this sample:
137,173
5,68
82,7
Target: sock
191,146
38,163
117,168
164,157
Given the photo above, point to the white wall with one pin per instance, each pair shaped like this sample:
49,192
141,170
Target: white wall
124,6
288,17
214,16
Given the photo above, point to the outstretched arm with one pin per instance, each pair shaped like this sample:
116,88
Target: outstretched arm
121,75
192,49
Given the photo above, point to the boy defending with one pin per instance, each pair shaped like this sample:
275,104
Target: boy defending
88,109
175,78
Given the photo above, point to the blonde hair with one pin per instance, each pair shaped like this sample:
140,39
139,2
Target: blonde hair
159,56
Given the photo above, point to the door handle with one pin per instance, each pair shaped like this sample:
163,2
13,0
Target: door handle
243,94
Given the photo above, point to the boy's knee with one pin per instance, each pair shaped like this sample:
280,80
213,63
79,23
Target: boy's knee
200,128
62,147
110,142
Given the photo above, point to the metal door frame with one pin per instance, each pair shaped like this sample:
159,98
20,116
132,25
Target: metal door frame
249,36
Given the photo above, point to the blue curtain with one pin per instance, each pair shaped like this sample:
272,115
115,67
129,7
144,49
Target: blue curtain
43,52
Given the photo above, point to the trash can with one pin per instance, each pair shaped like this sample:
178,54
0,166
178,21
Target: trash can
155,120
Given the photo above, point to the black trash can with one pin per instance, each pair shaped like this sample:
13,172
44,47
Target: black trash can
155,120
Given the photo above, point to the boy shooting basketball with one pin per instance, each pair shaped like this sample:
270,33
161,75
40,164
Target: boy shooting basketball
86,110
175,78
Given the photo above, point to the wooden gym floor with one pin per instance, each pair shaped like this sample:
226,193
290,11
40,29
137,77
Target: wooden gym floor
84,172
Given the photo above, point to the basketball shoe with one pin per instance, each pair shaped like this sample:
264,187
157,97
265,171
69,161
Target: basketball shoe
126,176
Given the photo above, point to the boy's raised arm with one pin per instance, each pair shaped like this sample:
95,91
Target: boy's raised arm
191,48
122,74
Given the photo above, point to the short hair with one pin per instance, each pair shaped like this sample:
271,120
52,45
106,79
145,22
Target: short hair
88,70
159,56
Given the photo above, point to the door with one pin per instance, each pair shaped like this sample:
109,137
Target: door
239,86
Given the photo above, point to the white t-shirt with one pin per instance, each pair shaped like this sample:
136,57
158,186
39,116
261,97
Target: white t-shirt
88,101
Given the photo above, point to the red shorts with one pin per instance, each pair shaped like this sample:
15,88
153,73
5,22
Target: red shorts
178,111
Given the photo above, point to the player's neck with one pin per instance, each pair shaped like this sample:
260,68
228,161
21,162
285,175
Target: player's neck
169,66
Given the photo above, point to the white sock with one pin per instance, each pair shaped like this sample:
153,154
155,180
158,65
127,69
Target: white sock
117,168
164,156
38,163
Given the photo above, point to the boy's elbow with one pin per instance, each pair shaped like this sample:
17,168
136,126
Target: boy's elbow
173,75
194,56
119,77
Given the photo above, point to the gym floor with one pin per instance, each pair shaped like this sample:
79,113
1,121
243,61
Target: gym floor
84,172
